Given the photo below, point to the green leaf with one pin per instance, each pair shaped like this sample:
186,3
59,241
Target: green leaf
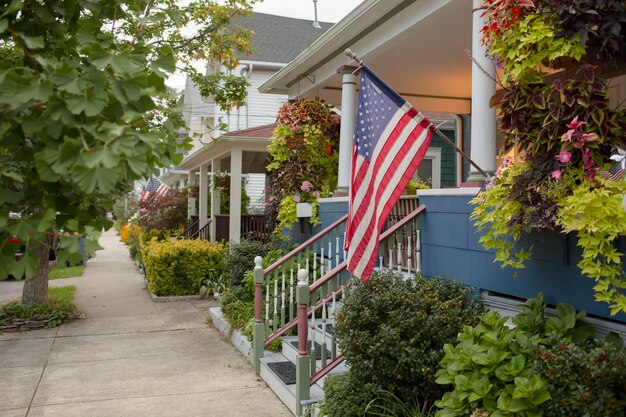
32,42
97,178
90,105
4,24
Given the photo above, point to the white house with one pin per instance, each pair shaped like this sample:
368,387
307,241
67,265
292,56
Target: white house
229,140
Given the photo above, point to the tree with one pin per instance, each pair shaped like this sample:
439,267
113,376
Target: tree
84,107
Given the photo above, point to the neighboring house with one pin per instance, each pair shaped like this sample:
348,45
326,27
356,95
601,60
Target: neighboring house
277,41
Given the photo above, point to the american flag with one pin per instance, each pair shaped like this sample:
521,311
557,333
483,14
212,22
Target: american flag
153,185
390,141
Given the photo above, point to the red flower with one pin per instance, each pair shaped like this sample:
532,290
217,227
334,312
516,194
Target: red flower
516,11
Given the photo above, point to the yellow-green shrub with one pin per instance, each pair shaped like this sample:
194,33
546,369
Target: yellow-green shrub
176,268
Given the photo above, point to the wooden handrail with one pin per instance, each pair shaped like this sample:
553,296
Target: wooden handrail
312,240
324,371
333,273
185,233
294,322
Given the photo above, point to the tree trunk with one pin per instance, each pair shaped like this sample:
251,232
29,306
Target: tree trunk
36,288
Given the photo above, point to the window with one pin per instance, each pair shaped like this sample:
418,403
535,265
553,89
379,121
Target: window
430,168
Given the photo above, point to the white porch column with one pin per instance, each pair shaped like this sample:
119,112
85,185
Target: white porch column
203,196
191,201
234,229
216,166
348,110
483,131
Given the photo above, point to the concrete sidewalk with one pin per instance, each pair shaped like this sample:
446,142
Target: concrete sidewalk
128,357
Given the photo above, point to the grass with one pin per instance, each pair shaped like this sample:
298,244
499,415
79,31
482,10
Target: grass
59,308
59,271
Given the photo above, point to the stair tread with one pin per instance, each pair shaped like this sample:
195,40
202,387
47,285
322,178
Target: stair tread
318,349
284,370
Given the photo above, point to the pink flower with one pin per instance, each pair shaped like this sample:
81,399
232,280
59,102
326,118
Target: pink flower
567,136
590,137
316,194
564,157
556,174
575,124
296,198
306,186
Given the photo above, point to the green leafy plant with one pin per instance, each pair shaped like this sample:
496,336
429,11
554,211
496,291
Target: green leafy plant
391,331
598,216
491,367
213,284
304,158
566,128
241,256
178,267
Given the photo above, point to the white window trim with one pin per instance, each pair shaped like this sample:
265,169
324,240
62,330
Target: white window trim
434,154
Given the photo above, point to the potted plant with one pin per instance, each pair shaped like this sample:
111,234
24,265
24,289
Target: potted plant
303,160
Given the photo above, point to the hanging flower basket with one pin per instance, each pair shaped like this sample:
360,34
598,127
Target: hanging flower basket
221,180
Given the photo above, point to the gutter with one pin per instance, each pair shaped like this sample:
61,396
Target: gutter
387,8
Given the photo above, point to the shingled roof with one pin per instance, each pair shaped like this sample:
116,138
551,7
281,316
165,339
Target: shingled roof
280,39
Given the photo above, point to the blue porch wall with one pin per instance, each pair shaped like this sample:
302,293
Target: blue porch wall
450,247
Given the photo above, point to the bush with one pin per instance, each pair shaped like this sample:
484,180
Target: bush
541,367
347,396
583,379
177,268
134,241
241,257
392,331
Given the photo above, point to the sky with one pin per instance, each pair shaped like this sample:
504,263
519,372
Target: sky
327,11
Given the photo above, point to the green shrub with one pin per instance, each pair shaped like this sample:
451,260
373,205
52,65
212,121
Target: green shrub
392,331
347,396
583,379
509,371
233,294
178,267
241,256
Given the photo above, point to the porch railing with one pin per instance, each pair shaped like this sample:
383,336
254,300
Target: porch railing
322,279
190,230
203,233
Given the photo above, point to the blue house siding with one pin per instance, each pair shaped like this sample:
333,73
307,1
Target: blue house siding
450,247
448,158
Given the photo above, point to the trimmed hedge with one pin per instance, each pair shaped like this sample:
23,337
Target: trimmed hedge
177,268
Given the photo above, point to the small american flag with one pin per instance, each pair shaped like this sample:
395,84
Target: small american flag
390,141
152,186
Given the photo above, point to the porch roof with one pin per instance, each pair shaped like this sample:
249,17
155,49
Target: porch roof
418,47
252,140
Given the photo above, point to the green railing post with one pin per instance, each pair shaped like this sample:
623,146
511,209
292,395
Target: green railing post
259,327
303,362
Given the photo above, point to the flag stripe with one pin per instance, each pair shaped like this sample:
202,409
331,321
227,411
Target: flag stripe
391,139
386,159
412,158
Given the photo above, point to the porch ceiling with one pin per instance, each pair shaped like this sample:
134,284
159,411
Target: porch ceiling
417,47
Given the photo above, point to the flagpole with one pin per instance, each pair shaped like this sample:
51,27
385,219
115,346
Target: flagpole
353,56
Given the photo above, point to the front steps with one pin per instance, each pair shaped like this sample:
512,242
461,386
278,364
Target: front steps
286,359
